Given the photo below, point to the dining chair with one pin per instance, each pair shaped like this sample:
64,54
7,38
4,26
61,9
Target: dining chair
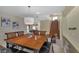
20,33
37,32
42,32
11,35
46,46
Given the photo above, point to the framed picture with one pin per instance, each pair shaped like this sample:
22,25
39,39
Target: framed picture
15,24
5,21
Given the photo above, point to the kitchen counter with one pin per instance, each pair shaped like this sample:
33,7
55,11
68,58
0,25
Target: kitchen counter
73,39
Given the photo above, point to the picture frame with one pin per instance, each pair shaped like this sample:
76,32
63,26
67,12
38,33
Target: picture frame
15,24
5,21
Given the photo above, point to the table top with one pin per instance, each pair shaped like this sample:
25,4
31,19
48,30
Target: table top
34,42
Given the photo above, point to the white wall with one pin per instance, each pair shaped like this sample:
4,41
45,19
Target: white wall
71,20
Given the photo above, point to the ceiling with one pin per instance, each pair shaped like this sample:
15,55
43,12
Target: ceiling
32,11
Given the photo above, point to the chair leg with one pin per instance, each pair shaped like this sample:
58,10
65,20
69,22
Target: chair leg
52,49
7,45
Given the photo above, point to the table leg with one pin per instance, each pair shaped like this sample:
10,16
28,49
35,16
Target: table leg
7,45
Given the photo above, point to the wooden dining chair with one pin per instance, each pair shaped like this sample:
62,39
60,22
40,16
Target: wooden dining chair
37,32
46,46
11,35
20,33
42,32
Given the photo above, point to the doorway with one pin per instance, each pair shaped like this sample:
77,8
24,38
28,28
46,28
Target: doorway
54,29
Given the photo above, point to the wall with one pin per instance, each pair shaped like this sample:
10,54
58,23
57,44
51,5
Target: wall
37,21
21,27
45,25
67,10
71,20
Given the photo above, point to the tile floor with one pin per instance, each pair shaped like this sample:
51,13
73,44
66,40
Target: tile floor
57,47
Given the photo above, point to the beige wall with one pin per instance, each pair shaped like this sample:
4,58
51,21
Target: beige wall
71,20
45,25
67,10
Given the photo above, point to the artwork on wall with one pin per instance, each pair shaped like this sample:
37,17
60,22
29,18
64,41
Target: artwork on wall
5,21
15,24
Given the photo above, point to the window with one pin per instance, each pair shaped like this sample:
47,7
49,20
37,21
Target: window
55,18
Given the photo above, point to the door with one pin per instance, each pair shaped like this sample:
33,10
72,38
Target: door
54,28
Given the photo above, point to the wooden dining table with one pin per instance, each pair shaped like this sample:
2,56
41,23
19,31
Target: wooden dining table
34,42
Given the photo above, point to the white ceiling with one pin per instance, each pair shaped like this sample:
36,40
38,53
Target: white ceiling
31,12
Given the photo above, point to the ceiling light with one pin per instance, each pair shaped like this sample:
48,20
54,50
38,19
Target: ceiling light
55,18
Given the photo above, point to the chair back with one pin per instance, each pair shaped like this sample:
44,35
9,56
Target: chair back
20,33
36,32
42,32
11,35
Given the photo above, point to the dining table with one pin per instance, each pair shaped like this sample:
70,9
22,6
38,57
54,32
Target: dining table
34,42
